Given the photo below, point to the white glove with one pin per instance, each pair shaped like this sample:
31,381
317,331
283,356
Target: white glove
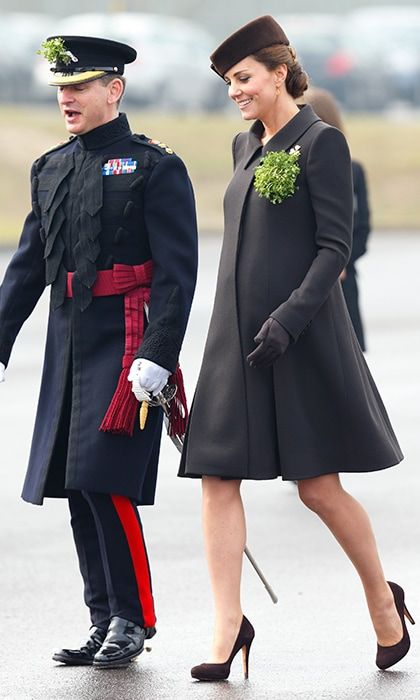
147,378
2,372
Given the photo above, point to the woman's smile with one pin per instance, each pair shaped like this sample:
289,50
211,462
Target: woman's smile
244,102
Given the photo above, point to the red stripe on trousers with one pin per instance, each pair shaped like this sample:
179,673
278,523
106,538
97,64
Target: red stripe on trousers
134,535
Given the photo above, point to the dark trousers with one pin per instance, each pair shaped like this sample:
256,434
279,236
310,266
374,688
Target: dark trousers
112,557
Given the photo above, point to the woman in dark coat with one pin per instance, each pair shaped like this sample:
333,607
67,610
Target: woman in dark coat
325,106
284,389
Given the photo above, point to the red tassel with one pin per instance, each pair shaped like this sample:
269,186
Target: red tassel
178,407
121,414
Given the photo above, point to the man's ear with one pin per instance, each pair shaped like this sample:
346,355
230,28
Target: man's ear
115,90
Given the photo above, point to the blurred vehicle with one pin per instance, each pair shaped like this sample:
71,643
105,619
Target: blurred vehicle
20,36
172,67
316,37
387,38
335,60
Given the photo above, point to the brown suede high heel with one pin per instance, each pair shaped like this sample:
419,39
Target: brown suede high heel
220,672
388,656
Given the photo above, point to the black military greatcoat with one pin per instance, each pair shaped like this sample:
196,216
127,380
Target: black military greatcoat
106,197
316,410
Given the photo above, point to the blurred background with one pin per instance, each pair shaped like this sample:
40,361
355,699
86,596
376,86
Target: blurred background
367,55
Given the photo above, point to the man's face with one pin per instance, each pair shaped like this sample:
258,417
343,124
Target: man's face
86,106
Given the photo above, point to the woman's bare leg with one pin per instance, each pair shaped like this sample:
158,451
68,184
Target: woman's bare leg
225,539
350,525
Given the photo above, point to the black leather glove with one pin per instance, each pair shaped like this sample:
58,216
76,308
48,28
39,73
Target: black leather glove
273,341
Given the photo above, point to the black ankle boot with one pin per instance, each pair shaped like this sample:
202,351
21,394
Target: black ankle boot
84,655
123,642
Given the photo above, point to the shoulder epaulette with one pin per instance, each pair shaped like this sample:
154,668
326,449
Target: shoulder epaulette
153,143
41,160
58,146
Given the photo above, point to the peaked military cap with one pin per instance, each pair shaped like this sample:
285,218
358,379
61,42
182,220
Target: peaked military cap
86,58
252,37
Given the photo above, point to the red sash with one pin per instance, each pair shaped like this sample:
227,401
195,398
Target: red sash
133,281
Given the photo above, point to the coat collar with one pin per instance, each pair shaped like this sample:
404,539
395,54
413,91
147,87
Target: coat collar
104,135
283,139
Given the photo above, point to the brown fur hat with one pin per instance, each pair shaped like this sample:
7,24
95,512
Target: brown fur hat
258,34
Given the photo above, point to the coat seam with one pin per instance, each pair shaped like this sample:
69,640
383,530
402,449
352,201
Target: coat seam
343,432
54,430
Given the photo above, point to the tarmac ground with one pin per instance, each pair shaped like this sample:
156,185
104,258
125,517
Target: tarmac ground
317,642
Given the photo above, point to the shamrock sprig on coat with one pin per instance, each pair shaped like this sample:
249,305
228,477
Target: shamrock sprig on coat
275,177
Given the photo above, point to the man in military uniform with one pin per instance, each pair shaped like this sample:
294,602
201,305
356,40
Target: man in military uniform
113,231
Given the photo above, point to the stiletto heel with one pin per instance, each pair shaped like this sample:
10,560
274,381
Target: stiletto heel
408,616
388,656
245,658
220,672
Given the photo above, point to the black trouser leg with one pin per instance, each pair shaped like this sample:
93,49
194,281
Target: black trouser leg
90,559
124,557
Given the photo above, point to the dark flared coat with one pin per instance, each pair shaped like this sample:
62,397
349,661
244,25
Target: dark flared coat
361,230
107,197
317,410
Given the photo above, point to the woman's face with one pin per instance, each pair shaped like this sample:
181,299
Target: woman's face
254,88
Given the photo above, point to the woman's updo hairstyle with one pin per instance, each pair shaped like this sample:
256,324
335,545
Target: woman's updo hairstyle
273,56
266,42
